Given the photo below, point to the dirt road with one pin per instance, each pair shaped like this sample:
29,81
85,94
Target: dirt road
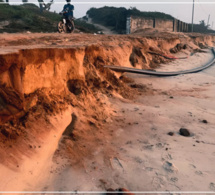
105,30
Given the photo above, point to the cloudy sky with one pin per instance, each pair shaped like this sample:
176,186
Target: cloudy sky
180,9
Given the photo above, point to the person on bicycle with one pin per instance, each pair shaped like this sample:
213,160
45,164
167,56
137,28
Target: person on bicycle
68,11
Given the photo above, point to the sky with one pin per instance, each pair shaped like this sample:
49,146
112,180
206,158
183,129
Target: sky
180,9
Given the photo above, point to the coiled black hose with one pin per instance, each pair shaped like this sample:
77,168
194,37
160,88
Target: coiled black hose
153,73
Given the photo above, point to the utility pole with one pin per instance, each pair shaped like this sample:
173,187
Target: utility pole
192,15
208,20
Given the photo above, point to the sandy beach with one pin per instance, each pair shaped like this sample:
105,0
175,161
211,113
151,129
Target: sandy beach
137,147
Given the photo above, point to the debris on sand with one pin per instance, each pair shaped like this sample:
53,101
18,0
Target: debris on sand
170,167
204,121
184,132
115,162
170,133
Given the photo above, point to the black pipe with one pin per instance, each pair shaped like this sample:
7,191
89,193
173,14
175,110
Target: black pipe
153,73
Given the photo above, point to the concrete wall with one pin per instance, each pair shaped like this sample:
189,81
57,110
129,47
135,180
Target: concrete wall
175,25
135,23
166,25
140,23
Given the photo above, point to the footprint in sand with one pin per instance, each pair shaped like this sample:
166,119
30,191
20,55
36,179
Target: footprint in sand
158,182
160,145
138,159
193,166
167,157
170,167
174,179
198,173
212,186
136,109
148,147
149,169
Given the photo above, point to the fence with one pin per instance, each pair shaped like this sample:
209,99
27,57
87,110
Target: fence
136,23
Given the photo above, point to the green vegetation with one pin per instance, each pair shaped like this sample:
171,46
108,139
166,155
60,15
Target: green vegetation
27,17
109,16
201,27
135,12
116,17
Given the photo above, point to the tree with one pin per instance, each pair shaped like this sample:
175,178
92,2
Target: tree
202,23
44,6
48,5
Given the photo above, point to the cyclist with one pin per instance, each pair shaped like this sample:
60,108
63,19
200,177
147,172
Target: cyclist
68,11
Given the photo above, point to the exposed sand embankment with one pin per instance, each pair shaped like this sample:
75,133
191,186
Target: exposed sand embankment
119,137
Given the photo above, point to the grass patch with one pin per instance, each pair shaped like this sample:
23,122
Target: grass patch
27,17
